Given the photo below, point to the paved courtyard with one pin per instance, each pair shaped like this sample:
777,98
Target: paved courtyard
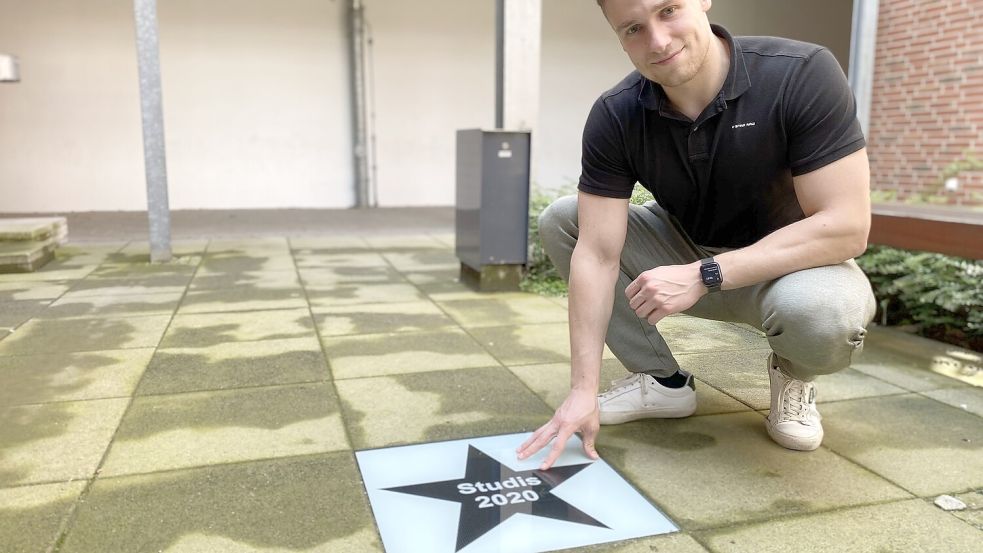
214,404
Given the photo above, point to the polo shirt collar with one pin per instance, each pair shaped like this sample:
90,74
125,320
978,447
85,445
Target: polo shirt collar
653,97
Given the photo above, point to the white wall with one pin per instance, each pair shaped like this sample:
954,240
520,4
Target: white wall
434,67
257,101
256,105
582,58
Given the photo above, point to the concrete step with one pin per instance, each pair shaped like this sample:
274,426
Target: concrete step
33,229
26,256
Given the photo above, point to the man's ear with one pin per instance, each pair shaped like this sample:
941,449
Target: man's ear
705,4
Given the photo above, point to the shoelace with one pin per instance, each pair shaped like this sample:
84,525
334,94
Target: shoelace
794,401
622,383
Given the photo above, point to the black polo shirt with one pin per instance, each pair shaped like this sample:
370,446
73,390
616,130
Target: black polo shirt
785,109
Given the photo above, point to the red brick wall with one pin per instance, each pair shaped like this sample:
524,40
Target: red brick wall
927,102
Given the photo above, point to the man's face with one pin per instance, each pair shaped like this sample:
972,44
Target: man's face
667,40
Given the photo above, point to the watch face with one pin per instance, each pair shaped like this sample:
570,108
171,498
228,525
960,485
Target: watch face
711,274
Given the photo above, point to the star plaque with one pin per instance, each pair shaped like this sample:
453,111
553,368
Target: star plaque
474,495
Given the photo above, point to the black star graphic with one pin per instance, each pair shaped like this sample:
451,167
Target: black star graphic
528,492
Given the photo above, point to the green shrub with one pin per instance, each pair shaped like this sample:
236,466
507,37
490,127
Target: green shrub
541,277
942,295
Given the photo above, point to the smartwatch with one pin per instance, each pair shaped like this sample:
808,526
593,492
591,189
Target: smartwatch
710,274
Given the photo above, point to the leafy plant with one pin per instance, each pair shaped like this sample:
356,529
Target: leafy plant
941,295
541,276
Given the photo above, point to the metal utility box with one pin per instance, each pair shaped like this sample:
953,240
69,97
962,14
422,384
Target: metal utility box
492,216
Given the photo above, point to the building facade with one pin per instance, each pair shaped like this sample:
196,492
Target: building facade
258,102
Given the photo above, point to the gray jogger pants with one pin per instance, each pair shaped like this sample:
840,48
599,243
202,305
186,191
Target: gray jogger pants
814,319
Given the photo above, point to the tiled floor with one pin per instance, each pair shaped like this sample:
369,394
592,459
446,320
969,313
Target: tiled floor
214,403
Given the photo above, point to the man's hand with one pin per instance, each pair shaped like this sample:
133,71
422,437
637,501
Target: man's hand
663,291
578,413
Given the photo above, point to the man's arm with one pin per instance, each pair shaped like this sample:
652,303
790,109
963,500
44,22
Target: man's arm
836,202
594,266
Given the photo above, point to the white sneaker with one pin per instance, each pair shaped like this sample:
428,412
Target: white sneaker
639,396
793,422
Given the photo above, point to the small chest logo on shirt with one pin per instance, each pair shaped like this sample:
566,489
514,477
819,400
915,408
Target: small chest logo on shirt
742,125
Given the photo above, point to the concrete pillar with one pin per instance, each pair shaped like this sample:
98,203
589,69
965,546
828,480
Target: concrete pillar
518,31
152,116
863,42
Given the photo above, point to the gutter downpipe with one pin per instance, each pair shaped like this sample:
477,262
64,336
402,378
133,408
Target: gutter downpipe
863,43
356,27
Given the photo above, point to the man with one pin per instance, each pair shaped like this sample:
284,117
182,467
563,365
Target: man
753,152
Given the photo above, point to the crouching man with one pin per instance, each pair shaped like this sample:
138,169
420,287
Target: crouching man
753,152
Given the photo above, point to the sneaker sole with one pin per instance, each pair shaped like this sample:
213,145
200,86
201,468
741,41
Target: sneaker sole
621,418
795,443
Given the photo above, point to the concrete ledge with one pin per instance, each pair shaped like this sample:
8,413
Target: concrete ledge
938,357
26,256
33,229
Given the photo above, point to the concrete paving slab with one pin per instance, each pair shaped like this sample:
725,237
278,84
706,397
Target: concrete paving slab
255,244
71,376
401,353
741,373
313,503
31,516
27,290
432,277
140,262
435,406
314,244
101,306
155,284
562,301
56,441
530,309
233,262
242,298
327,279
690,334
460,292
666,543
528,344
719,470
235,365
896,526
137,266
26,256
441,287
400,242
925,446
424,260
76,273
209,329
206,280
552,383
67,335
900,371
446,238
358,294
15,313
380,318
364,259
30,228
181,248
967,398
204,428
852,384
74,256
